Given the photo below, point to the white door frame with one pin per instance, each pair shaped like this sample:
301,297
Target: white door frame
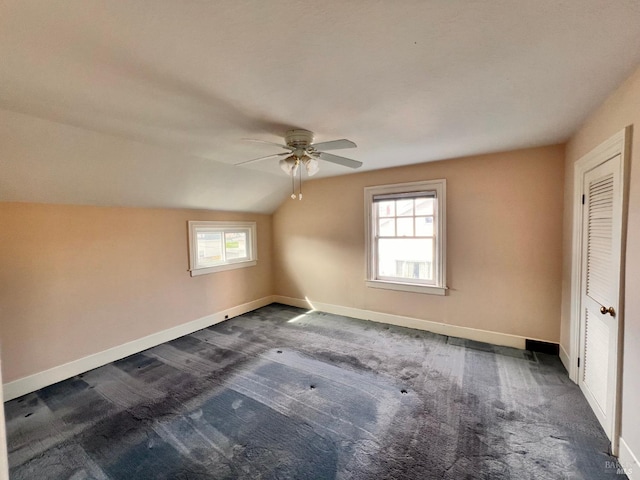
619,144
4,459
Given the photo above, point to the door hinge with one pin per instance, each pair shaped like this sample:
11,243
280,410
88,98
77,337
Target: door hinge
583,199
578,362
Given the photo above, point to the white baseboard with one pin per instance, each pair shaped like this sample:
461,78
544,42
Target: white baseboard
34,382
487,336
629,461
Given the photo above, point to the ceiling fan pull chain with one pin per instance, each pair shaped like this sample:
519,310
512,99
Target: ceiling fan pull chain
293,186
300,185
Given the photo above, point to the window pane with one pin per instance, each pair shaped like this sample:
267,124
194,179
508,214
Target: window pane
404,208
209,249
406,258
405,227
387,227
387,209
424,206
424,226
235,244
218,246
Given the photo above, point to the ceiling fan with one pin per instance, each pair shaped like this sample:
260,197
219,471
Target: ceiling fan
302,151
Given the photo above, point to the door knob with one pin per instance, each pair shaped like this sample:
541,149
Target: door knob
611,311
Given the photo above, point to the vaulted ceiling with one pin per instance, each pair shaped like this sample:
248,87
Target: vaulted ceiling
146,102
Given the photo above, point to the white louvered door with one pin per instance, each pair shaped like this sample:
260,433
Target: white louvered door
600,285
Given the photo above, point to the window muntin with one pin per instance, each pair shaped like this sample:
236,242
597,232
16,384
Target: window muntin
405,236
218,246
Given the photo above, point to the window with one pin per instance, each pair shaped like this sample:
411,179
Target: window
406,236
218,246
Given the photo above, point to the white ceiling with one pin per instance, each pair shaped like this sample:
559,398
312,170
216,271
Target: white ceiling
146,102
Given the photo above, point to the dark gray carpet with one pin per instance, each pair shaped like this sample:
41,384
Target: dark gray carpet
282,394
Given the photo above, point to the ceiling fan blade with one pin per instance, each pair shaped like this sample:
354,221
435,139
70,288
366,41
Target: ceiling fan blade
345,162
334,145
267,142
263,158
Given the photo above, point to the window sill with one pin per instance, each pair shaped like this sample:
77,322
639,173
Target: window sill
222,268
407,287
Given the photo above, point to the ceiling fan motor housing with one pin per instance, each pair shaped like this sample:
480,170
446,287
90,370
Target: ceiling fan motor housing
298,138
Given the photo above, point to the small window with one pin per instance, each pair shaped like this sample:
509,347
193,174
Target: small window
406,236
218,246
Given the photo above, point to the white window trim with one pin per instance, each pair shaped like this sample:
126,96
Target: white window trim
440,187
230,265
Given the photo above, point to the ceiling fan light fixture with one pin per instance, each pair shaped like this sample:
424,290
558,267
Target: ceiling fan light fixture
311,165
289,165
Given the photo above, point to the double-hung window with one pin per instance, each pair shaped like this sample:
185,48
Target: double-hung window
406,236
218,246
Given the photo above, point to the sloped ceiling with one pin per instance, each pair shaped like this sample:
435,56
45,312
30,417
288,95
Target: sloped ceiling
146,103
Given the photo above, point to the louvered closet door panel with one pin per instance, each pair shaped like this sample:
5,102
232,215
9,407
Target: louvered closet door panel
599,238
596,355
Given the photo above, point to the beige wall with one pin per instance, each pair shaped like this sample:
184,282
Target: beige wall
78,280
622,108
504,227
